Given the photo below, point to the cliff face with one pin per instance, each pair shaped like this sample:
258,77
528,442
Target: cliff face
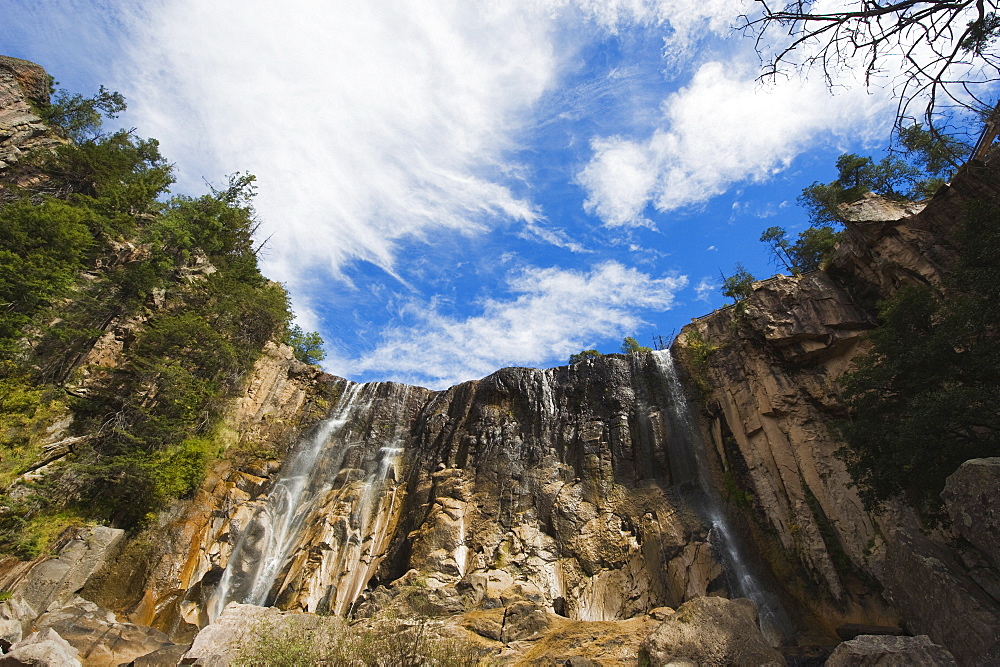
22,85
556,514
770,374
560,487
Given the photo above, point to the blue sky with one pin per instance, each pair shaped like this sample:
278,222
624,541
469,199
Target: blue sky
453,187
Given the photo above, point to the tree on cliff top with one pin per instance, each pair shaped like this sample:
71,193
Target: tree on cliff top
81,117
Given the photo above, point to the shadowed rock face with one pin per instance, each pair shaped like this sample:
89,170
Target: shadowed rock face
566,487
771,392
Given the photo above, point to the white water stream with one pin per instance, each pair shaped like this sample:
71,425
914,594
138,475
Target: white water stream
269,539
691,469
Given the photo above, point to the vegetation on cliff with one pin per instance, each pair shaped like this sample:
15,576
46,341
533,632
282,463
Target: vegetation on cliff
924,399
98,257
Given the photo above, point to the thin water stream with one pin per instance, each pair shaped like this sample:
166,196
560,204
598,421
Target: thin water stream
690,469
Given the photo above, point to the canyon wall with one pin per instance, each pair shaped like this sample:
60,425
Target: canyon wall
768,369
551,514
566,487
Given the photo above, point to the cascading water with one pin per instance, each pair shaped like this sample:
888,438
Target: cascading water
342,479
690,469
268,540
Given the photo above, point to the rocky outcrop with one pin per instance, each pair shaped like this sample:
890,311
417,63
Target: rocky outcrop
712,631
769,372
217,645
889,650
970,496
565,489
44,607
23,87
41,649
150,578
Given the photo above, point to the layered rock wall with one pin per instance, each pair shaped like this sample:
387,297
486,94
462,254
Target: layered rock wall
558,487
769,371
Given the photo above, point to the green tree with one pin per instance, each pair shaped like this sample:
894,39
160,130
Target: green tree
919,166
42,251
923,400
739,285
812,247
583,356
81,117
631,346
307,345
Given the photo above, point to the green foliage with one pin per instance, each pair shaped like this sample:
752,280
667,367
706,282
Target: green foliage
307,346
583,355
81,117
812,247
739,285
923,400
924,160
42,251
631,346
119,177
981,33
26,412
697,351
91,247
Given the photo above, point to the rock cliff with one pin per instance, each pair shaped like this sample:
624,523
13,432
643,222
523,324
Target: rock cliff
578,515
768,370
566,488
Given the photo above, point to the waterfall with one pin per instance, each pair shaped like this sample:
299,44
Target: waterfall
270,537
690,468
342,483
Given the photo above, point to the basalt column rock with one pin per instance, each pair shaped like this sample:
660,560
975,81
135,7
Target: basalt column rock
768,370
556,487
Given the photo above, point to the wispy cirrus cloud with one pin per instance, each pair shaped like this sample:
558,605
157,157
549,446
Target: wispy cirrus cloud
553,313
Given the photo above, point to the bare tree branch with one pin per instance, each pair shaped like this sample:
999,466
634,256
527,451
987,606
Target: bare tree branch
940,56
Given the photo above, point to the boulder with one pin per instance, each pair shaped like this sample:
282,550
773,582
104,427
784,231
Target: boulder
98,635
216,644
890,650
925,581
52,583
711,630
972,498
44,648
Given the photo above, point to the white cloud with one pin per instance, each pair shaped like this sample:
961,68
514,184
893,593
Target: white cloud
722,128
556,312
705,288
366,123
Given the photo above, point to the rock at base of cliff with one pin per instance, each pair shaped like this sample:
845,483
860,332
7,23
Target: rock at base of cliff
971,496
890,650
711,630
218,642
41,649
98,635
936,596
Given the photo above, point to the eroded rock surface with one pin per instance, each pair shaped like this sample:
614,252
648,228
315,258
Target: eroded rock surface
560,488
711,631
769,374
889,650
44,648
23,87
972,496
